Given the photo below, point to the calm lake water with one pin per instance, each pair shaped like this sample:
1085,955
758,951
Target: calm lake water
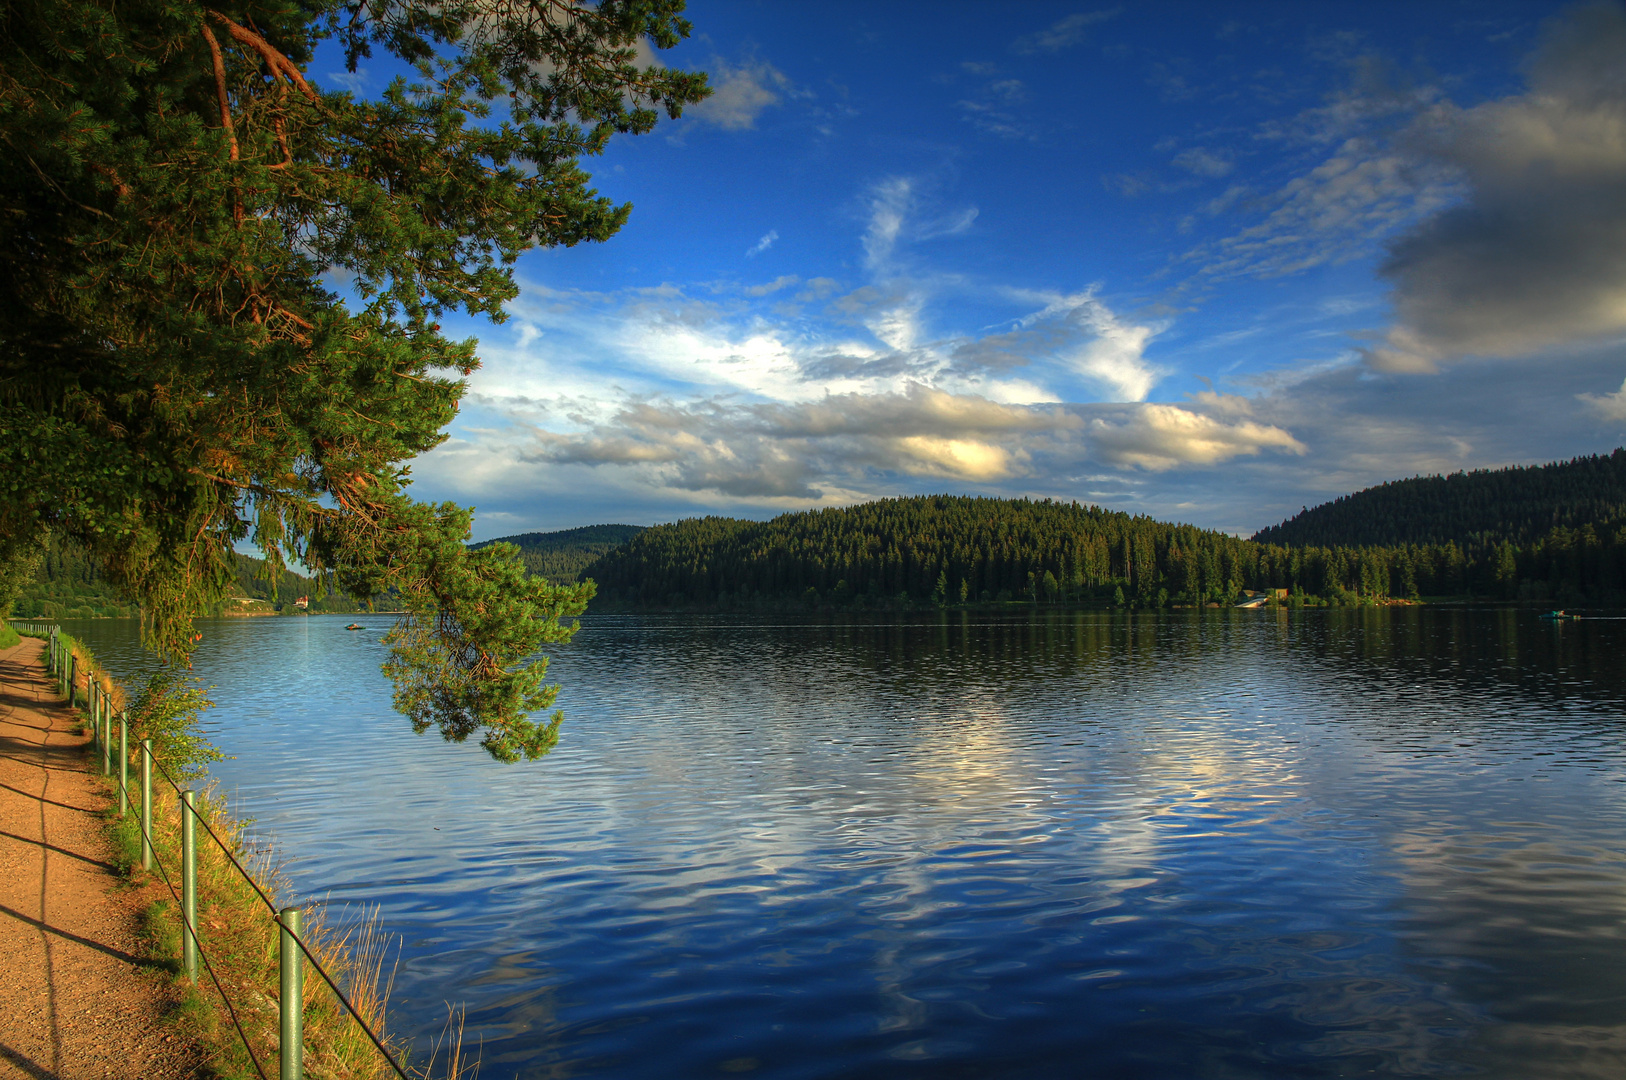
1211,844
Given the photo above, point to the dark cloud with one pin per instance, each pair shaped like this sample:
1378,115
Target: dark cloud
1536,257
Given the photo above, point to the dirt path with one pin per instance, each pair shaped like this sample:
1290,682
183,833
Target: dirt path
75,1001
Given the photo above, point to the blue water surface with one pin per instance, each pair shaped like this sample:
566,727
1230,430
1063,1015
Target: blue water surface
1205,844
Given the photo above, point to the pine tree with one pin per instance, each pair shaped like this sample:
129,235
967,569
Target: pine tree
175,374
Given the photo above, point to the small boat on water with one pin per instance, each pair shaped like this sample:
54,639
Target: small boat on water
355,626
1556,615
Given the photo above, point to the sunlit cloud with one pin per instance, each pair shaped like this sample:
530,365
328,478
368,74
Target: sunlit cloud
1163,437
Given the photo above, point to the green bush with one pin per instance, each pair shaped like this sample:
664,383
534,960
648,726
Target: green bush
167,712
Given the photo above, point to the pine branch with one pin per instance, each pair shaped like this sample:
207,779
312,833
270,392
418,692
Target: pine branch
220,86
278,63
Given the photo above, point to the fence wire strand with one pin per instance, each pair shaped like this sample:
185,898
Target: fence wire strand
210,968
276,917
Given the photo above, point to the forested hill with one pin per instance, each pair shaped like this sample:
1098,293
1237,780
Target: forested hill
942,549
1477,510
561,556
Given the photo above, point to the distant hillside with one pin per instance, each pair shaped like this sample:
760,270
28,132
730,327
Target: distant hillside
562,556
1476,510
68,585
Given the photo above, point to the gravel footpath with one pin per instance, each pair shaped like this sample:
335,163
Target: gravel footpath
76,1002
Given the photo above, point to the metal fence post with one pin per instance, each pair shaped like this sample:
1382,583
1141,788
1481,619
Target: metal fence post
146,804
293,997
124,763
189,886
107,731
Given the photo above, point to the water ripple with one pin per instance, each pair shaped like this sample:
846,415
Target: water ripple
1219,845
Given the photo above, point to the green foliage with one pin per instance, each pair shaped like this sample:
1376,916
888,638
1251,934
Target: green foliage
469,662
1476,510
168,711
257,579
20,554
177,376
8,637
65,582
562,556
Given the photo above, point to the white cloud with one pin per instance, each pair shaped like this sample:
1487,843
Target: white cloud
890,202
354,81
859,441
740,94
1063,33
895,216
1200,161
783,281
994,104
764,244
1339,210
771,450
1505,222
1610,408
1098,344
743,393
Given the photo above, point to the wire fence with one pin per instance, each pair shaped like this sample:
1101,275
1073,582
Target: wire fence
62,663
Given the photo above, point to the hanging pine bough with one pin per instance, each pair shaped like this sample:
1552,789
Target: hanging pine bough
175,374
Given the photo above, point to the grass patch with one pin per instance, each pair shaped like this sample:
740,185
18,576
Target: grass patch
9,637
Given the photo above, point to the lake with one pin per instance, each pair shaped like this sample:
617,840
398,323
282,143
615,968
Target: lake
1201,844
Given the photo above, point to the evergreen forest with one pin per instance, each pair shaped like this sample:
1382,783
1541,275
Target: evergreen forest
949,550
1477,510
562,556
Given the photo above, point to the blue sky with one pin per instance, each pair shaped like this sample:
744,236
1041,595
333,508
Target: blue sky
1208,262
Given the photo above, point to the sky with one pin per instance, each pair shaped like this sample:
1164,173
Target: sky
1207,262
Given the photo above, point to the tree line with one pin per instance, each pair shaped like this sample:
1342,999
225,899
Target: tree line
951,549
